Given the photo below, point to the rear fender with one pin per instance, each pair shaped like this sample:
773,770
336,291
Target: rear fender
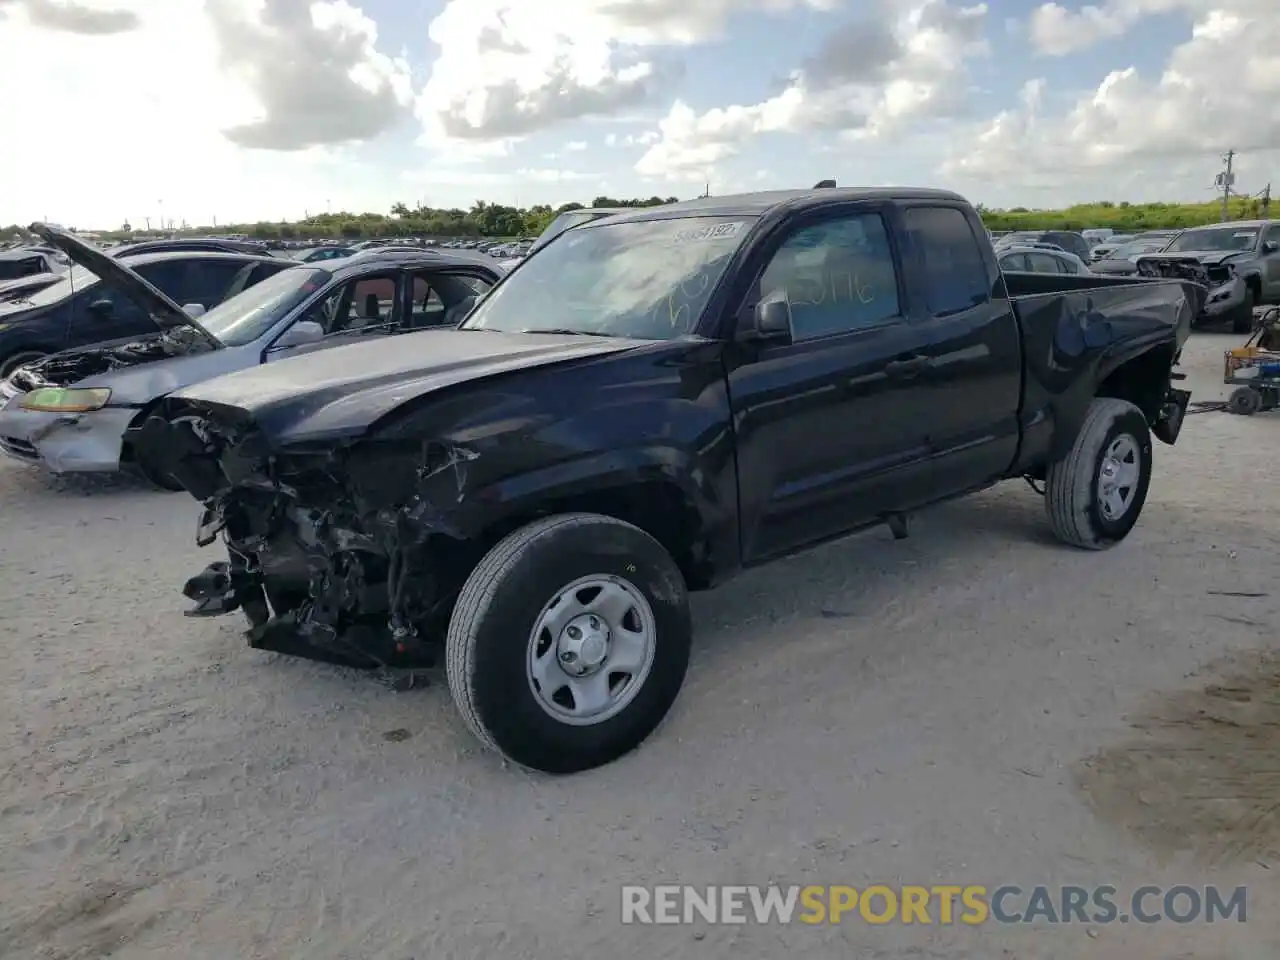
1119,340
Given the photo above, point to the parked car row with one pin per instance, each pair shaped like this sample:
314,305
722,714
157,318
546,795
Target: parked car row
417,454
1239,262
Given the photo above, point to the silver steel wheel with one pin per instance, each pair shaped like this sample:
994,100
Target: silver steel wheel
591,649
1119,477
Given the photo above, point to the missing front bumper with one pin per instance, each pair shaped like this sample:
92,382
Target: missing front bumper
341,553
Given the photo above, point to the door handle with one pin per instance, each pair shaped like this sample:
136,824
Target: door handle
911,367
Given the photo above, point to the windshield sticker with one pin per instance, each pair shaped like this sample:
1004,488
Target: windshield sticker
720,231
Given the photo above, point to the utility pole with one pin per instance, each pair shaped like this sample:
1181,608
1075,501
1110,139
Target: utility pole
1266,202
1226,180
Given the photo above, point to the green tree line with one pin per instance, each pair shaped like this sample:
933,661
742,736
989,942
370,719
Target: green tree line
498,220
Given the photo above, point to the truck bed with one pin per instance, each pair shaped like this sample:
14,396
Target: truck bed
1076,330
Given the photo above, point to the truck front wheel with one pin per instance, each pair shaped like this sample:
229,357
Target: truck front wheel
1095,494
569,642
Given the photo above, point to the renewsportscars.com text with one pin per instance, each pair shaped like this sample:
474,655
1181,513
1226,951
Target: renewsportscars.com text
942,904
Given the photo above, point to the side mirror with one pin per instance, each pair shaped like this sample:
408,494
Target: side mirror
193,310
102,308
1270,246
771,320
302,332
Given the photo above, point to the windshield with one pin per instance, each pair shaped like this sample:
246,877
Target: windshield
246,317
648,280
73,281
1219,238
570,218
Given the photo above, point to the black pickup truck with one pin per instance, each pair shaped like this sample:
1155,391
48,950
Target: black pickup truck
648,405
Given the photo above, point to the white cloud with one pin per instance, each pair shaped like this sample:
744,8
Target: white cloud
315,70
88,17
575,146
1057,31
871,78
1217,91
506,68
155,141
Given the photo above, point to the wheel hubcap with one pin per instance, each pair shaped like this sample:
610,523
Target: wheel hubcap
583,646
591,650
1118,477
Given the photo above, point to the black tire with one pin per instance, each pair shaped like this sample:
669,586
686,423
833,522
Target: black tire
1244,401
1242,320
1073,485
491,630
158,478
19,359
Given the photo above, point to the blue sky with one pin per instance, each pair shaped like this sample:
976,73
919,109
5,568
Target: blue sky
287,106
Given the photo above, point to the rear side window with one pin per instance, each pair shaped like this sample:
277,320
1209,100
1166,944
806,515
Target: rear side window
955,274
209,281
168,276
1043,263
1016,262
25,267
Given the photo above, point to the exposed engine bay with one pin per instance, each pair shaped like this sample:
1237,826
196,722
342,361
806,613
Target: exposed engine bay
339,553
1186,268
63,369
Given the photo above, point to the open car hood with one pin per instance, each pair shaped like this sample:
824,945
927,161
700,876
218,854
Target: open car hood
159,307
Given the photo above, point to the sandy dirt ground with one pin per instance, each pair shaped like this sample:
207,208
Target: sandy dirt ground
975,704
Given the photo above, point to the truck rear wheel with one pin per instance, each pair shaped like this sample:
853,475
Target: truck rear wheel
569,642
1095,494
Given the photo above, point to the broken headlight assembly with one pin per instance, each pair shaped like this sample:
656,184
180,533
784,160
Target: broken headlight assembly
66,399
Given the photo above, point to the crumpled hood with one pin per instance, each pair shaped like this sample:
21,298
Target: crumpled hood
1209,258
342,391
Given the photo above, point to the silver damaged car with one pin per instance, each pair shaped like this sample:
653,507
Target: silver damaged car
74,411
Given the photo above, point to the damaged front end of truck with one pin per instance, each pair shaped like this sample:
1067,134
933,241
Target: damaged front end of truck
338,551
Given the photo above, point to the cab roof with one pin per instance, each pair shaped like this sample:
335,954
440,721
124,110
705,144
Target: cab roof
758,204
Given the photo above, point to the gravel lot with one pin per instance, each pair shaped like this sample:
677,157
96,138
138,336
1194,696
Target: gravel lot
973,705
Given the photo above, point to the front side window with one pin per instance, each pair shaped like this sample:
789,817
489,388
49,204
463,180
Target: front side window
243,319
837,276
645,279
367,301
955,274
